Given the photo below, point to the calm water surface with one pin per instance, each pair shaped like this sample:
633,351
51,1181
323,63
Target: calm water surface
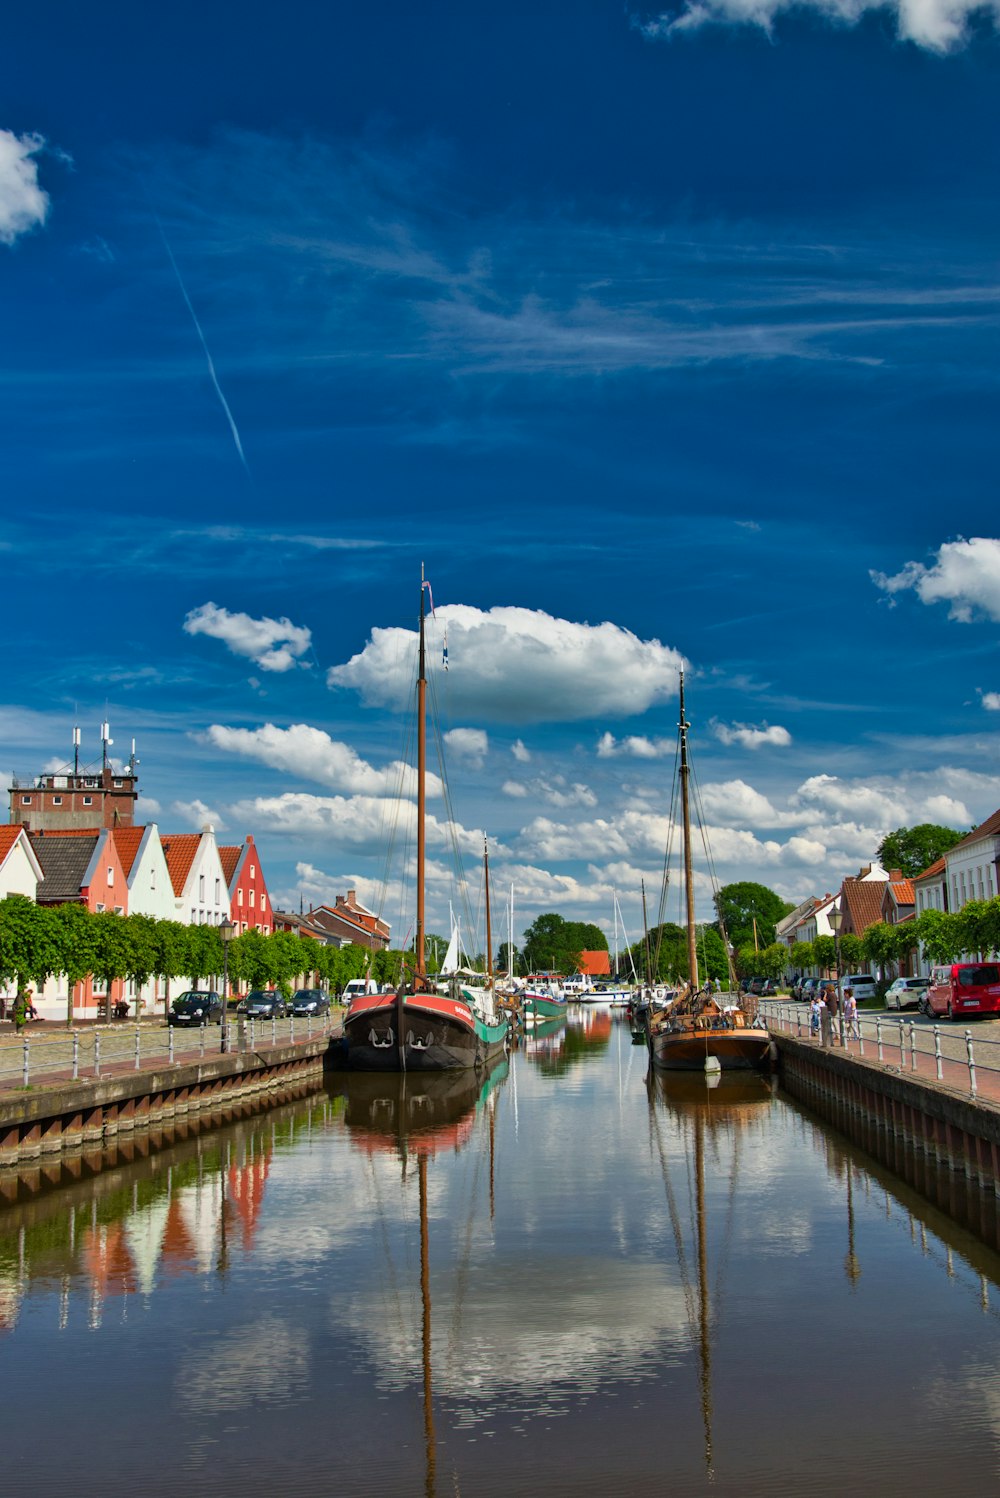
561,1279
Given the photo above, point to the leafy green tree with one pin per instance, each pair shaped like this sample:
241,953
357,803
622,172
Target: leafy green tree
743,905
713,958
940,935
978,922
504,953
171,956
802,955
204,953
850,952
251,959
76,941
30,941
552,942
913,849
141,952
825,953
387,966
111,951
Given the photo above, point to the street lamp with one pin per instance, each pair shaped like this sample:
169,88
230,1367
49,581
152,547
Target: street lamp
227,931
835,918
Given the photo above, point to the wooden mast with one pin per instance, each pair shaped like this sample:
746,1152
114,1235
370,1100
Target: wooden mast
489,927
418,947
688,870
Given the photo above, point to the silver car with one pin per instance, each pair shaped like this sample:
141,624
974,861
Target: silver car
906,993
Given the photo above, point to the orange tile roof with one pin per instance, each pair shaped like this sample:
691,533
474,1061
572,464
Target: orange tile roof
989,828
9,835
230,861
863,898
180,849
932,869
127,840
902,889
69,831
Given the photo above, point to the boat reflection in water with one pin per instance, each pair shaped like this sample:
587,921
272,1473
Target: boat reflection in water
722,1110
419,1116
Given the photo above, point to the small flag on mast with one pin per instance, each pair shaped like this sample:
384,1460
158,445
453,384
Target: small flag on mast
444,650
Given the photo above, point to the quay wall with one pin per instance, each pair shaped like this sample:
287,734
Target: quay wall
926,1132
69,1117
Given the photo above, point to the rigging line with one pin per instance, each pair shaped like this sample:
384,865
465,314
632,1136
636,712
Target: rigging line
727,1237
668,855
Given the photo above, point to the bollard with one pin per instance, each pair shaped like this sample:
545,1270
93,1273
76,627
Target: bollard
913,1046
253,1041
291,1030
138,1046
902,1052
309,1026
26,1067
861,1036
972,1062
170,1044
878,1034
97,1053
274,1029
937,1052
76,1056
201,1040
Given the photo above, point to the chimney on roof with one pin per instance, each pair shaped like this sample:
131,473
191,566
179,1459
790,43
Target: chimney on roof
895,875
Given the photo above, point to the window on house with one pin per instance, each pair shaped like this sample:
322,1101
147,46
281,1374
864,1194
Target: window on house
252,895
239,897
263,901
99,909
119,910
57,801
201,886
217,891
111,875
118,785
88,800
152,878
253,871
25,800
194,916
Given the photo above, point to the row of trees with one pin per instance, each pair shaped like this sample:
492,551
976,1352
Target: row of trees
38,942
944,936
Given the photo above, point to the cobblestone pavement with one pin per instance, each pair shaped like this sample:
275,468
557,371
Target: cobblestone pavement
911,1044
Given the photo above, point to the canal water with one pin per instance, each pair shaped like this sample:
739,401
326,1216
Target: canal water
560,1279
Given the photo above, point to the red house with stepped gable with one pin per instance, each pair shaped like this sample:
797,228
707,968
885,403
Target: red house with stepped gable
249,901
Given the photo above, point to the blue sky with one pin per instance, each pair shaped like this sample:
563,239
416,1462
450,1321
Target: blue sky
657,336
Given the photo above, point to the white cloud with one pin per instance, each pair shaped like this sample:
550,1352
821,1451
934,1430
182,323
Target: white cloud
966,575
521,665
733,801
311,753
991,702
520,753
884,802
514,788
468,745
750,737
362,821
939,25
274,644
146,807
637,746
23,204
197,814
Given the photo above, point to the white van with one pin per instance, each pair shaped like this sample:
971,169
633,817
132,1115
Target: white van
356,987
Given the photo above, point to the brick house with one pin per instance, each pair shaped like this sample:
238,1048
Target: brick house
350,921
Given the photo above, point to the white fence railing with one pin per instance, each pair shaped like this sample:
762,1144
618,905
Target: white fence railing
36,1056
918,1047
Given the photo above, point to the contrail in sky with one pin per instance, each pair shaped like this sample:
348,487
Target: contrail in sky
208,357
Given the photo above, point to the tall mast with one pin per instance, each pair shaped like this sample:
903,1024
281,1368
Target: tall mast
688,871
489,928
421,784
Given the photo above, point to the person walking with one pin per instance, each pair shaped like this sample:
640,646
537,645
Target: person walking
828,1015
852,1024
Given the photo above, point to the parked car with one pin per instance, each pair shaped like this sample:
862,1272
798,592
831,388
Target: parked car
906,993
310,1001
862,985
196,1008
263,1003
961,989
808,987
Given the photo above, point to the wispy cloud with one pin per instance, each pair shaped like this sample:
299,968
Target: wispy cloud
750,736
938,25
274,644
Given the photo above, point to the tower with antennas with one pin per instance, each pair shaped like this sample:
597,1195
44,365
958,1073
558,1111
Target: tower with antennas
78,795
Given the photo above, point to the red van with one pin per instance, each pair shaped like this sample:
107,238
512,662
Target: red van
963,988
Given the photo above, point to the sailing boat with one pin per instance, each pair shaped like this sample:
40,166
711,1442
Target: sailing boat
418,1028
695,1032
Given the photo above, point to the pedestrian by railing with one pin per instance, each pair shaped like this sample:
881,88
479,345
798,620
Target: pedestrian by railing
52,1053
913,1047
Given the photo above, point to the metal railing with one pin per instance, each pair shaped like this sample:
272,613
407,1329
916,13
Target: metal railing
912,1047
39,1056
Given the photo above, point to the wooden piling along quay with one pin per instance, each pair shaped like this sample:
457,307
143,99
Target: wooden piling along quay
896,1117
71,1116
